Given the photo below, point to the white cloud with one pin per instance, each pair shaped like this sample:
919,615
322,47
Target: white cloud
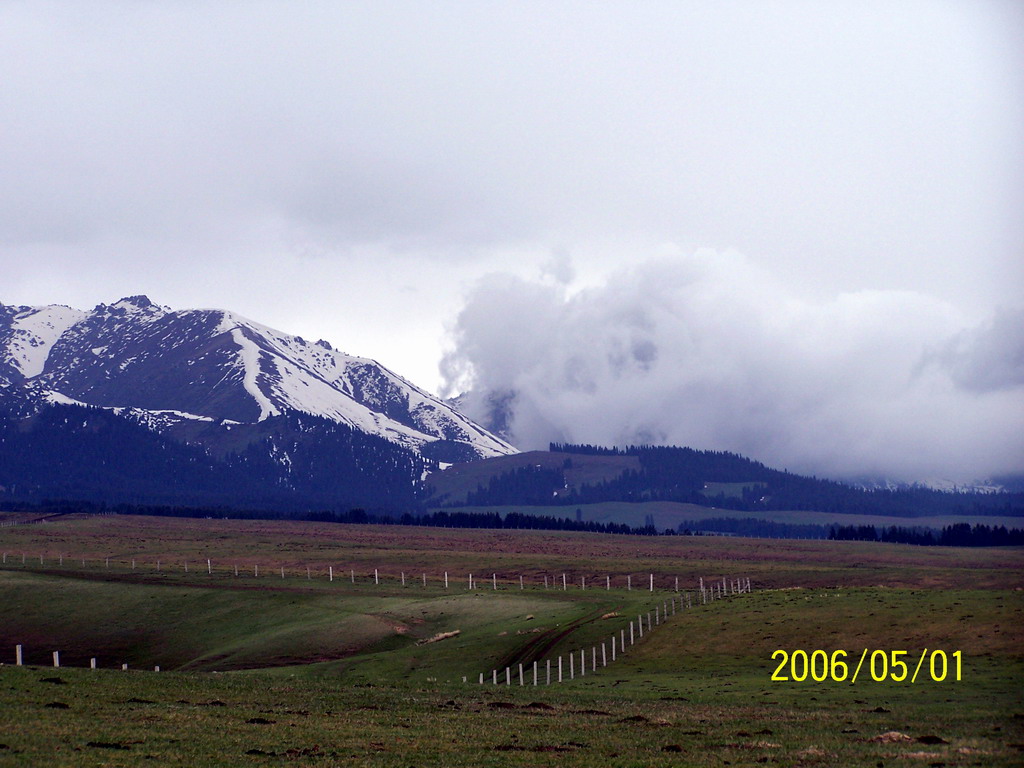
987,358
713,352
344,169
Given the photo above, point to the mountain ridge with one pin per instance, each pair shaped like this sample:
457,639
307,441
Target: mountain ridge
213,364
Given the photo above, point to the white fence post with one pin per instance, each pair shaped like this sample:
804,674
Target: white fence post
563,582
629,583
652,582
607,582
56,658
494,581
559,669
330,573
604,653
209,567
520,673
572,666
445,580
376,578
549,672
17,656
92,663
534,673
613,647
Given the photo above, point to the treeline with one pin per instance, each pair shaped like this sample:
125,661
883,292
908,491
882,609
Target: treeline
749,526
511,521
355,516
292,462
679,474
957,535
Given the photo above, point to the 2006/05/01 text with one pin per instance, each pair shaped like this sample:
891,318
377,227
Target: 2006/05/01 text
883,666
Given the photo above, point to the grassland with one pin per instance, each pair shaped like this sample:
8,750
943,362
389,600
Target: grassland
301,670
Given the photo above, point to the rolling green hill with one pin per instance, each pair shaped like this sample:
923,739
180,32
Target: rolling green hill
261,671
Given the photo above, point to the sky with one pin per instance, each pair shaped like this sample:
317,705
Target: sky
787,229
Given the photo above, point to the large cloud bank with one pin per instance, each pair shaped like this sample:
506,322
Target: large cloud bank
712,352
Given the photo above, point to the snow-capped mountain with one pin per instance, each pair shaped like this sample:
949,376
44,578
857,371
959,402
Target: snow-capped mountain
164,367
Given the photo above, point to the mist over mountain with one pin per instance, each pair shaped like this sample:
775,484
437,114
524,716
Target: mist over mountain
709,350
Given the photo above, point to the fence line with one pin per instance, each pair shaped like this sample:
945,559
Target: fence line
655,617
19,660
655,582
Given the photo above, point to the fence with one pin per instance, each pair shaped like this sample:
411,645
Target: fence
198,567
658,615
19,660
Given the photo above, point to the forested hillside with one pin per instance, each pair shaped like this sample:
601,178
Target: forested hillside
719,479
289,462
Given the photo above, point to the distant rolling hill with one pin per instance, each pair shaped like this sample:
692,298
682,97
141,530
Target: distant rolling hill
667,485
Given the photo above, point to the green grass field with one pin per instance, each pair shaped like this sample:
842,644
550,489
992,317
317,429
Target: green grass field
270,671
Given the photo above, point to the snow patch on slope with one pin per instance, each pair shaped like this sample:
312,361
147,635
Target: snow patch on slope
249,356
317,379
56,398
34,331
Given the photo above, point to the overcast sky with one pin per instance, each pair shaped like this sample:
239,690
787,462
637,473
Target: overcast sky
791,229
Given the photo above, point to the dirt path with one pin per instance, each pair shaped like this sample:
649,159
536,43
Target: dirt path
538,647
